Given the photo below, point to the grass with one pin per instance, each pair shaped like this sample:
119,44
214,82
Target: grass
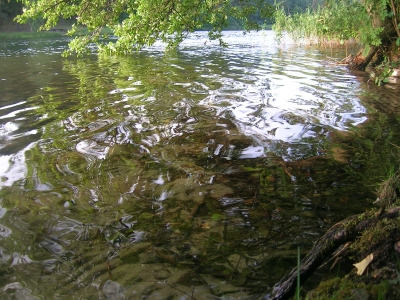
27,35
388,189
267,27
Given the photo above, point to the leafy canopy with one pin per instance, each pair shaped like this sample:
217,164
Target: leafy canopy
139,23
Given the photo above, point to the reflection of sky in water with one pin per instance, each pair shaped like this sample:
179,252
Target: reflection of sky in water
284,118
13,167
285,96
272,95
156,137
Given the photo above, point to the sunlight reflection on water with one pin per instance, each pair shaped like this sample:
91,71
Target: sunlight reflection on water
118,167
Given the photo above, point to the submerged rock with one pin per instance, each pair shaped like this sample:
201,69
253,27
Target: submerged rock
113,290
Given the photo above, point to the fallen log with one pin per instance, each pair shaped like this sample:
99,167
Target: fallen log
360,62
343,232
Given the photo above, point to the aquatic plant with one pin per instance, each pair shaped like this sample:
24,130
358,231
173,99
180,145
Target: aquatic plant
334,23
382,73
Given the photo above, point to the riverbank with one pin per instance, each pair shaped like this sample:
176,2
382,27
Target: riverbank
28,35
364,249
14,30
372,261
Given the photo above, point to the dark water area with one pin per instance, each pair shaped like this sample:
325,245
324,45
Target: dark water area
194,174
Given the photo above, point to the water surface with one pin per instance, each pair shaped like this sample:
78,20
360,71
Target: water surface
191,174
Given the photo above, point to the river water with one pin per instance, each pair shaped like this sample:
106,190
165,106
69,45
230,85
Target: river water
193,174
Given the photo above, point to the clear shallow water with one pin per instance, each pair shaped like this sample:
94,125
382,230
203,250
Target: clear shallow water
188,174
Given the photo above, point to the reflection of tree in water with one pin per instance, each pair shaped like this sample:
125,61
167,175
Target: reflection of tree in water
137,184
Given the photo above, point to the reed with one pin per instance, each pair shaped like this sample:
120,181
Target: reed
336,23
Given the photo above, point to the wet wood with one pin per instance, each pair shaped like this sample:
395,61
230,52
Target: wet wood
339,234
288,166
347,60
109,270
195,209
163,256
360,62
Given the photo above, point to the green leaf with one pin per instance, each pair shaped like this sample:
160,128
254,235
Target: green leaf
146,215
140,23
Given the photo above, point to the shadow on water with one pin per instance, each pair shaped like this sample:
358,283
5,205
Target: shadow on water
193,174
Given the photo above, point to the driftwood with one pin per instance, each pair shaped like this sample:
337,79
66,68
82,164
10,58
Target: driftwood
360,62
339,234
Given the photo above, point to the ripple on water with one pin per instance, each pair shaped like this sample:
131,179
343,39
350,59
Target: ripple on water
13,167
6,129
16,291
153,166
92,150
5,231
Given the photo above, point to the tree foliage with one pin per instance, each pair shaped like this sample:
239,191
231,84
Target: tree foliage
9,9
139,23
